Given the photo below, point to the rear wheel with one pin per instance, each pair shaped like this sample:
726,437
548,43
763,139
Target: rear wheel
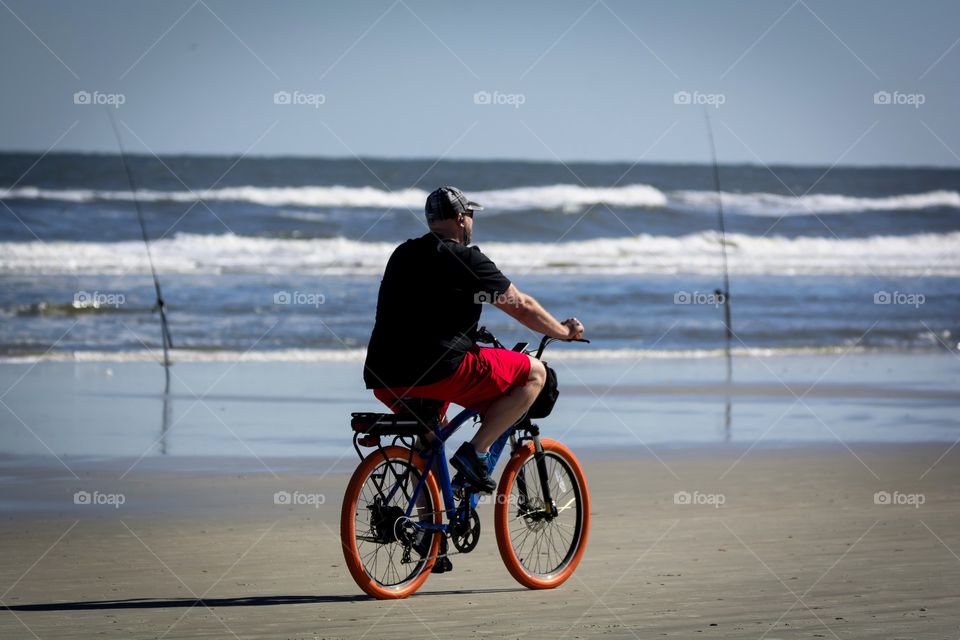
386,553
540,546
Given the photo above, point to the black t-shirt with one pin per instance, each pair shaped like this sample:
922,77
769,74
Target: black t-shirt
429,305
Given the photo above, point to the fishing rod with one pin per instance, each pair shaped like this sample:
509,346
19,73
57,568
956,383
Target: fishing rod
723,249
160,304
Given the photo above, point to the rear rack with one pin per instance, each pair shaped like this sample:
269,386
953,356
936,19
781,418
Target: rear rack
388,424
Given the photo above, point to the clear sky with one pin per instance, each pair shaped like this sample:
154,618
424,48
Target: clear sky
786,81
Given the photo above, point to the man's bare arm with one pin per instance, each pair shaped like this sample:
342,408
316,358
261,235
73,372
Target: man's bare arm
527,311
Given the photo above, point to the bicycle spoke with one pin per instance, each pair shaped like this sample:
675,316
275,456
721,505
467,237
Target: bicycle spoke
523,542
560,554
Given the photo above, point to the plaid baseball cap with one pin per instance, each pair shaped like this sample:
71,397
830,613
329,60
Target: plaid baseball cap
447,202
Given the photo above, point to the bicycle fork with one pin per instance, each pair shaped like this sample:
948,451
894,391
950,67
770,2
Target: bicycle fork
549,508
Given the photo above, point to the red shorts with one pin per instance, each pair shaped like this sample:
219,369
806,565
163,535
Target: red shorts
484,375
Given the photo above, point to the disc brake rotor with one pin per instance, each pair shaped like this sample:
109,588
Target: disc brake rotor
533,514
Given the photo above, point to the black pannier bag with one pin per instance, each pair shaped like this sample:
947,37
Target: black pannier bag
543,405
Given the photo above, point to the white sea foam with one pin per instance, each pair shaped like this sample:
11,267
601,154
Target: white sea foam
769,204
566,198
571,198
334,196
914,255
358,355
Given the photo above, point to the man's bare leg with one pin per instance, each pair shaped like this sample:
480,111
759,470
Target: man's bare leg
506,410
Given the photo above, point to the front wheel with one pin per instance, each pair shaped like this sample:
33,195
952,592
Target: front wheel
541,544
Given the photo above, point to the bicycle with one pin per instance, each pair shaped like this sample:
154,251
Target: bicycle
391,521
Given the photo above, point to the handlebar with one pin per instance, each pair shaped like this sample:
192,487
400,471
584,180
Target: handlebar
545,340
484,336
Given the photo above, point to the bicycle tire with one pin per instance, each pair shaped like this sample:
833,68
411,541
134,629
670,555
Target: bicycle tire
518,561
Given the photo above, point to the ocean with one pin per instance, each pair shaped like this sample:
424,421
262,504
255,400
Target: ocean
280,258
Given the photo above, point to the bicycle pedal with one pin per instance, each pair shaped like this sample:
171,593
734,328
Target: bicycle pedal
460,487
464,491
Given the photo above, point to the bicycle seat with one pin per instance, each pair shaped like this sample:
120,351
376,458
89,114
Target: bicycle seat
427,410
419,416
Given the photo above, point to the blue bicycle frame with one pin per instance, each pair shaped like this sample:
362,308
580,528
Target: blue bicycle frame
438,454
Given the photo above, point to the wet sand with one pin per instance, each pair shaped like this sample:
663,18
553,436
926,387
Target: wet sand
289,409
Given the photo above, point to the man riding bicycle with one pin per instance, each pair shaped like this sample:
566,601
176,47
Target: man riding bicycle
427,312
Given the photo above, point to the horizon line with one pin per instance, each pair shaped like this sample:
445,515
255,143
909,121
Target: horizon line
457,159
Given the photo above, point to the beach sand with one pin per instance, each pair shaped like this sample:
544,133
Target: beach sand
798,549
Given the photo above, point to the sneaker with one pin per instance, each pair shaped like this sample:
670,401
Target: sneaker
443,564
422,547
473,469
